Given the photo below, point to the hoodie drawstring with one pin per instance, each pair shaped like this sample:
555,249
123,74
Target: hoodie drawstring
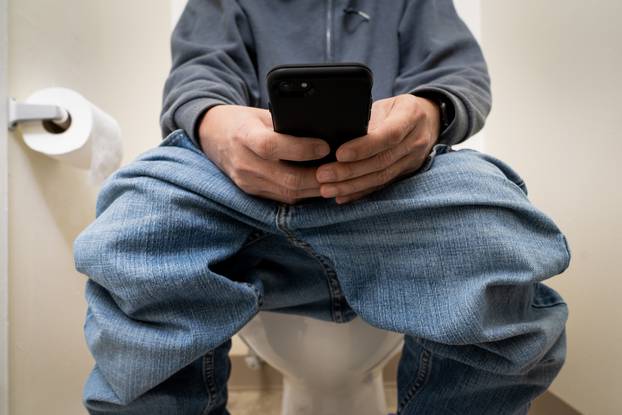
351,9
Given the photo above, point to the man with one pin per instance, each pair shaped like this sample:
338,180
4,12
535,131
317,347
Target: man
401,230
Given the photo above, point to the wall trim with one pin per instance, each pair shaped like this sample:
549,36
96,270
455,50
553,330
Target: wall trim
4,210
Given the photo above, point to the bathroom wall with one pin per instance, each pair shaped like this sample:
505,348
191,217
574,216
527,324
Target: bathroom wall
470,11
115,52
556,69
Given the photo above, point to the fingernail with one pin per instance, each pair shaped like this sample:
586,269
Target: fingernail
346,155
327,176
321,150
329,191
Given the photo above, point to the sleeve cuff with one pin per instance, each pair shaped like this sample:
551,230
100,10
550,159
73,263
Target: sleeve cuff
458,128
189,115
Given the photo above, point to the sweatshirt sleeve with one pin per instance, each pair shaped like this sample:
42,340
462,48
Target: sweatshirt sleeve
212,64
440,59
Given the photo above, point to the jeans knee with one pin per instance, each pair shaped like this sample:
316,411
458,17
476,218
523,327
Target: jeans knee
540,352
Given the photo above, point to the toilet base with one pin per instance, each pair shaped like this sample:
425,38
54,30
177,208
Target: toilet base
364,396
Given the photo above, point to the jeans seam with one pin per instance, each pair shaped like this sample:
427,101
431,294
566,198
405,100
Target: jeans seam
254,237
336,296
548,305
425,361
208,380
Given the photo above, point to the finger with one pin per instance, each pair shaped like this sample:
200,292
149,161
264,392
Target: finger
400,121
356,196
287,176
387,135
265,117
379,112
270,145
340,171
405,165
269,190
247,169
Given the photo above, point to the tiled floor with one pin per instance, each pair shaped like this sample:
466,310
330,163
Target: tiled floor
269,403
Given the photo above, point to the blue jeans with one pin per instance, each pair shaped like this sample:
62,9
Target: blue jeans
179,259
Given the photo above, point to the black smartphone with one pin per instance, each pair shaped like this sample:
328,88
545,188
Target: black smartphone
327,101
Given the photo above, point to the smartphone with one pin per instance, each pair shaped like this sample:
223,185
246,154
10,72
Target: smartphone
327,101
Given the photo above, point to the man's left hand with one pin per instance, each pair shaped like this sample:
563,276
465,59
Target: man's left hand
402,131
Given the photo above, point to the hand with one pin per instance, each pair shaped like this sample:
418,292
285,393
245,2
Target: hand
402,131
242,143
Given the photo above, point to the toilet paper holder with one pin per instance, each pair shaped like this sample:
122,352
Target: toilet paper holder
22,112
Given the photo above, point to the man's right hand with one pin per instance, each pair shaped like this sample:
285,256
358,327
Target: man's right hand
242,143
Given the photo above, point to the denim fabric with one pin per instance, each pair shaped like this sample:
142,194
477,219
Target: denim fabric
179,259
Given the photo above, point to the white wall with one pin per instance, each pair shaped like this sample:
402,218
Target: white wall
556,69
177,7
471,13
115,52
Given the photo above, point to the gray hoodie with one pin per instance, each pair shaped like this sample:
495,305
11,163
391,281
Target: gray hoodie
223,49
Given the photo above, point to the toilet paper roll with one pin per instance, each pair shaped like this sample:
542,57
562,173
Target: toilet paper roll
92,141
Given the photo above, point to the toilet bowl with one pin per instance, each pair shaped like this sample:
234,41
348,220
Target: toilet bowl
327,368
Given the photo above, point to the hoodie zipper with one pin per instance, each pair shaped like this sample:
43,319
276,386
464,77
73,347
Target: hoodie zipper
329,30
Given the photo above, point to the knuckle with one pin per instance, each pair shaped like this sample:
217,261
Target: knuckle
356,188
236,177
418,148
344,171
289,195
246,172
413,102
240,134
385,176
347,188
385,158
291,181
247,188
394,135
267,148
235,161
244,181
